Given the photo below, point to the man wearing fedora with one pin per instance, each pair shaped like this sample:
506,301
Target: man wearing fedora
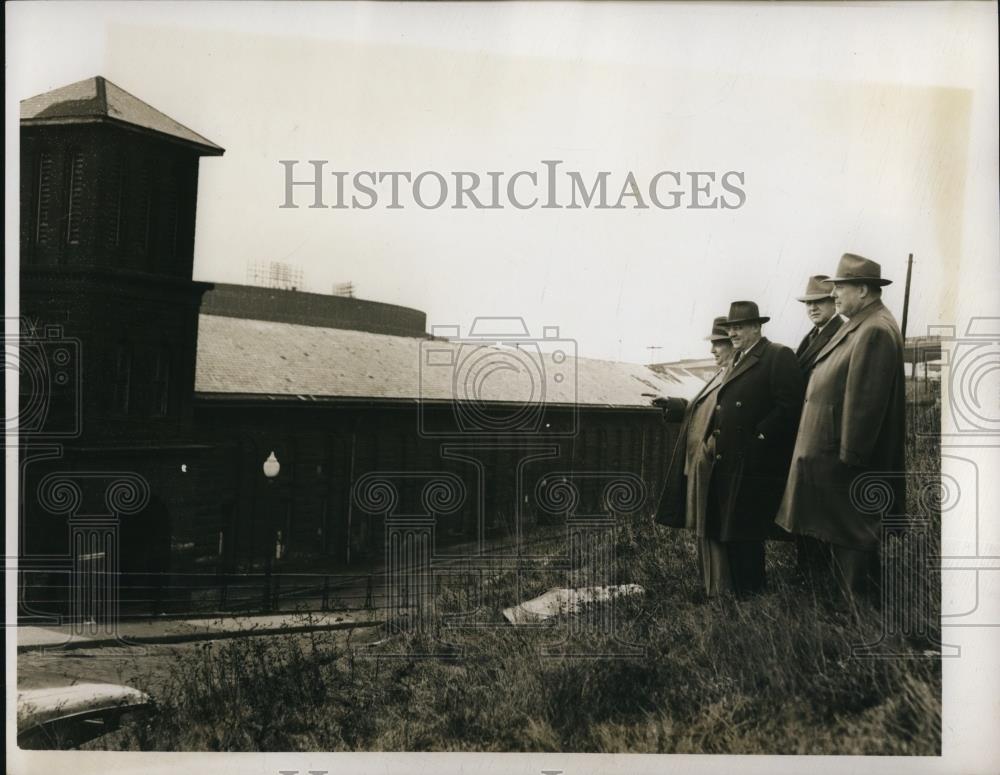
752,429
851,434
822,312
685,493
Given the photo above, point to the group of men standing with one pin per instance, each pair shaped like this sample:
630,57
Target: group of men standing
776,444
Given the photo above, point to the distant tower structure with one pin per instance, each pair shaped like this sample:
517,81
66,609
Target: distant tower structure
275,274
344,289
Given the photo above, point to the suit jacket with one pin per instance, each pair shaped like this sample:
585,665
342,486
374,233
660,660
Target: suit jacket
672,509
848,463
807,351
759,396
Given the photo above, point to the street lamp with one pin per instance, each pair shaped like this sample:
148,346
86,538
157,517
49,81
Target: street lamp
271,468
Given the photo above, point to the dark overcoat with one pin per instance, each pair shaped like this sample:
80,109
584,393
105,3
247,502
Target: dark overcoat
760,396
809,349
672,509
852,430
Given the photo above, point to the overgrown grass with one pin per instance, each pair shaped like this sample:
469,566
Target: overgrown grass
771,674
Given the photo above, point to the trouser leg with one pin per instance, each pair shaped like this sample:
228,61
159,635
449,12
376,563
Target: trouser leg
811,556
856,571
746,562
713,565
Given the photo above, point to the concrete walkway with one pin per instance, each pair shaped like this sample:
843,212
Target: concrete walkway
174,630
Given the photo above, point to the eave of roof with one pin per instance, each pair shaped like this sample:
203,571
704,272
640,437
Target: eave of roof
306,401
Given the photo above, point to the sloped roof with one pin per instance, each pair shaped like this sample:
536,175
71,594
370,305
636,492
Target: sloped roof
97,99
263,358
703,368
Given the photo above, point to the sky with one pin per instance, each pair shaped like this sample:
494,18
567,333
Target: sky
859,127
867,129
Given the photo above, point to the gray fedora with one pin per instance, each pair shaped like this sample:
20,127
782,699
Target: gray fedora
719,331
744,312
858,269
818,288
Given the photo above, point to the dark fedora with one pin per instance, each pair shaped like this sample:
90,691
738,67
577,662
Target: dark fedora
719,331
819,287
744,312
858,269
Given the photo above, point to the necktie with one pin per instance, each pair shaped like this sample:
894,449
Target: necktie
813,334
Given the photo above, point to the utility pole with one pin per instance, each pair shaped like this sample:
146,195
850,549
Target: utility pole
906,294
651,348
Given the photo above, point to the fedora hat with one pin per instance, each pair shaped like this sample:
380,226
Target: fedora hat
819,287
719,331
744,312
858,269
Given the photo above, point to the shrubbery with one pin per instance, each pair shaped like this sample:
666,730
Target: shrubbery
772,674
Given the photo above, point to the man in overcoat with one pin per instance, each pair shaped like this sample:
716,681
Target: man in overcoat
850,441
822,312
751,433
684,497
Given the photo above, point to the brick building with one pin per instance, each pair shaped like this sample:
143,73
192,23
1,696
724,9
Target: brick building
150,402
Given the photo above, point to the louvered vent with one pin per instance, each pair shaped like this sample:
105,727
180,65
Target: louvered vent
43,198
118,204
74,200
143,209
169,215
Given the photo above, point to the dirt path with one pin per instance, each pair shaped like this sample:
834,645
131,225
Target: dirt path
146,665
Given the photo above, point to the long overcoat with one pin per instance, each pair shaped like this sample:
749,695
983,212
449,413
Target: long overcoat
690,467
759,396
849,453
808,350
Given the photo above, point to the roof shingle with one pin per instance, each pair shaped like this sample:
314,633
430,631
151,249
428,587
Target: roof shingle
255,357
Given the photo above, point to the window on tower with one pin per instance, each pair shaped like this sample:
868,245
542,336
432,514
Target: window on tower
118,203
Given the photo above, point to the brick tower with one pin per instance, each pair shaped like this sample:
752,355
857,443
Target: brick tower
109,319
